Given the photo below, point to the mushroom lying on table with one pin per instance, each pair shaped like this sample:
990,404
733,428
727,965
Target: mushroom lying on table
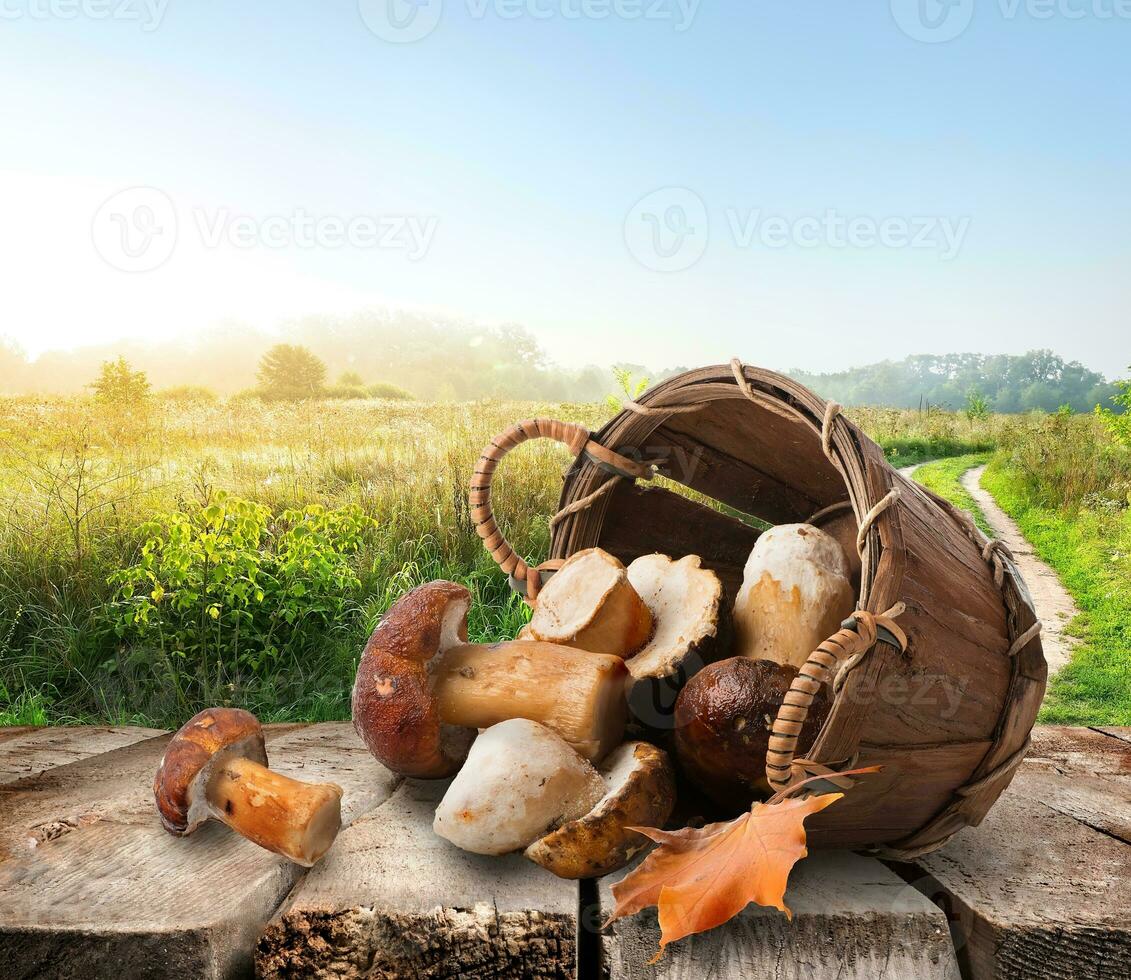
215,767
422,690
525,788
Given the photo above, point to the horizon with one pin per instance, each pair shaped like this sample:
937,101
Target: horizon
806,186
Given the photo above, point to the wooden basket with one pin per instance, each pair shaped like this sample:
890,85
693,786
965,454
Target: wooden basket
948,717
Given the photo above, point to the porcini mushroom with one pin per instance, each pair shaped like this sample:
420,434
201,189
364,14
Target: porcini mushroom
723,720
521,780
795,593
215,767
639,792
422,690
524,787
589,603
684,599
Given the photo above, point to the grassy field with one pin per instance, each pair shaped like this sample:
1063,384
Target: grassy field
181,553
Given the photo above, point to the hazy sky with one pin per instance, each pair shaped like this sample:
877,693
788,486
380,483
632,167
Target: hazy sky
803,183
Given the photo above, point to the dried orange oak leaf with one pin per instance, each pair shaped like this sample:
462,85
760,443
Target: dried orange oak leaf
699,879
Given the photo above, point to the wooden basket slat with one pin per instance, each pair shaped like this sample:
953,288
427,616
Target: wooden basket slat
732,481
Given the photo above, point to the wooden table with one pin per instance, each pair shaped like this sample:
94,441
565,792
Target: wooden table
90,886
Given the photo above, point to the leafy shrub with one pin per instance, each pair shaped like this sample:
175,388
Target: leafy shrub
345,391
119,384
189,395
224,591
385,390
1119,423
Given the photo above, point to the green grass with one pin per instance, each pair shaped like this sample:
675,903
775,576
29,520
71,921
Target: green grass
1091,551
79,480
942,477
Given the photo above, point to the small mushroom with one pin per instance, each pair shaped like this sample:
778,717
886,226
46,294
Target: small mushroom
796,591
724,717
589,603
422,690
521,779
640,792
215,767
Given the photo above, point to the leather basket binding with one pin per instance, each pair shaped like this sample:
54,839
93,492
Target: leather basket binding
939,676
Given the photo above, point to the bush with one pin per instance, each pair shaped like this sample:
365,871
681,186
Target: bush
385,390
291,372
346,391
120,385
223,592
189,395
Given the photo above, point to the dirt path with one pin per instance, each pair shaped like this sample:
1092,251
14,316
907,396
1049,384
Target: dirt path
1054,605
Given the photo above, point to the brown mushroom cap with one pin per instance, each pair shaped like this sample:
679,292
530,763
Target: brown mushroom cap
724,717
641,793
211,734
394,710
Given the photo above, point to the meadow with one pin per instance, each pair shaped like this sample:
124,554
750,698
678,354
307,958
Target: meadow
182,551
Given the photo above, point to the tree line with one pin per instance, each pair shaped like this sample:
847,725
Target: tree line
1006,383
375,354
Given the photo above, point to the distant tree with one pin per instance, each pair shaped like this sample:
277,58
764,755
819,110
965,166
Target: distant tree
351,379
291,372
13,364
977,405
119,384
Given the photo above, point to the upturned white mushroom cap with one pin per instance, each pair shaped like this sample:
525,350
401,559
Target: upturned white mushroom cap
520,781
684,599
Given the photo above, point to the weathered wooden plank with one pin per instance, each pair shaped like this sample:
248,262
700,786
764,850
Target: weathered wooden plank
1103,804
853,919
11,731
394,899
117,896
36,750
57,801
1124,734
1081,749
1035,893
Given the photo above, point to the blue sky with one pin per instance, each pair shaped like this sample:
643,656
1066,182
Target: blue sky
670,188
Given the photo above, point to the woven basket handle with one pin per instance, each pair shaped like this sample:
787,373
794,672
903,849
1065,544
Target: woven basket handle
856,636
525,579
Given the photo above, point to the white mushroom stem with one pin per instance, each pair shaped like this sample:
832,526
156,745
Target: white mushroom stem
590,604
579,695
298,820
